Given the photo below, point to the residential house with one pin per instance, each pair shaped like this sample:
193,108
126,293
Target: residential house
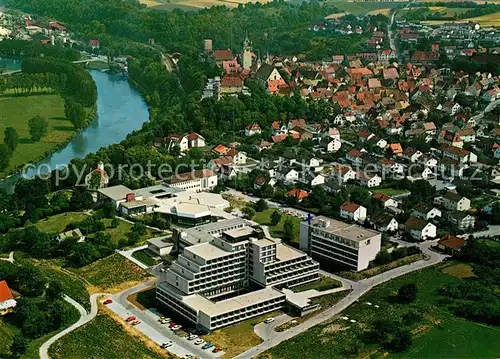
458,154
368,179
253,129
451,244
287,175
353,211
231,84
384,222
195,140
239,157
385,200
299,194
220,150
311,178
178,140
271,77
73,233
453,201
7,301
333,145
412,154
195,181
396,149
355,157
462,221
343,173
426,211
420,229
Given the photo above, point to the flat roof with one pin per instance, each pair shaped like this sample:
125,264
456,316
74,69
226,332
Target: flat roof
115,192
239,232
157,190
352,232
221,225
145,202
161,242
207,251
264,242
213,309
286,253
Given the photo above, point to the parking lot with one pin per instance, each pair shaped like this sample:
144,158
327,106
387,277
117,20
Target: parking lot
161,333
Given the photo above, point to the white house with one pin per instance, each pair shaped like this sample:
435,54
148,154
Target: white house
369,180
353,211
426,212
239,157
343,173
452,201
195,140
287,174
333,146
312,179
385,223
385,200
195,181
420,229
178,140
334,133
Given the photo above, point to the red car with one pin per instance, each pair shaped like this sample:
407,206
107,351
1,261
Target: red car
131,318
172,324
108,301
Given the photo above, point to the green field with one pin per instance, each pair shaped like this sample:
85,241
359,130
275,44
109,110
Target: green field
58,222
361,8
17,111
455,338
390,191
112,273
101,338
444,335
264,218
7,332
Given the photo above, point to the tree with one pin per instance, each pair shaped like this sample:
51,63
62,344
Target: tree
77,115
18,346
407,293
139,228
275,218
81,199
383,257
11,138
248,211
39,127
288,230
5,155
54,291
261,205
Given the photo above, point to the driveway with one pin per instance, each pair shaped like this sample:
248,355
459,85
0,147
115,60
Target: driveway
265,331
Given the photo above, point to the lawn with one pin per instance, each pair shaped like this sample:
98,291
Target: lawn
17,111
491,243
239,337
102,338
194,4
361,8
484,21
444,335
58,222
112,273
391,191
324,283
145,299
459,270
370,272
144,257
264,218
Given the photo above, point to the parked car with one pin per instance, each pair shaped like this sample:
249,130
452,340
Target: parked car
208,346
172,324
269,320
108,301
131,318
192,337
136,322
176,327
216,350
167,345
166,321
199,341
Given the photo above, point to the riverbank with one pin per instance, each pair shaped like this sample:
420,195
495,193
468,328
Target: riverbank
16,112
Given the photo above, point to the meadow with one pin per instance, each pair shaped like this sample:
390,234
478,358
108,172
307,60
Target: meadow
17,111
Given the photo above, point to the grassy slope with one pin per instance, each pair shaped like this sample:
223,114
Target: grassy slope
439,329
57,223
17,111
101,338
112,273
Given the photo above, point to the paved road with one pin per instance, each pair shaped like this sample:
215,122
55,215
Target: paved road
84,319
265,331
492,231
359,288
128,254
391,33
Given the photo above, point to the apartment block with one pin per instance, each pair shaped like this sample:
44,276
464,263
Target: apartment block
341,243
232,275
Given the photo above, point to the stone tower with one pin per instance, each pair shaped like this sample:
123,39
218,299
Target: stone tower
247,54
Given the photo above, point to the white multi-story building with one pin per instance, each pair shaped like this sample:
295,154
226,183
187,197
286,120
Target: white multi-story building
195,181
226,265
341,243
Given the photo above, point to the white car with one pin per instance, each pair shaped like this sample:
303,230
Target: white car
269,320
167,345
199,341
176,327
192,337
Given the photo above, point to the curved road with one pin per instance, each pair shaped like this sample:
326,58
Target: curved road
359,288
9,259
84,319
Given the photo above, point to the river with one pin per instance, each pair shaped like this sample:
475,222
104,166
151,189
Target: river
120,110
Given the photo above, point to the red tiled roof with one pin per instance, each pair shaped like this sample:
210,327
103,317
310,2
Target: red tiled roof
223,55
298,193
350,207
231,81
451,241
5,293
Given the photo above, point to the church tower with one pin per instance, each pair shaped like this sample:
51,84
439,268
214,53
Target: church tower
247,54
